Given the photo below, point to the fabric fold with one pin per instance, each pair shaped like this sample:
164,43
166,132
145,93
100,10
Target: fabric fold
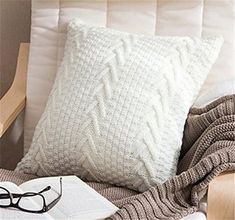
211,153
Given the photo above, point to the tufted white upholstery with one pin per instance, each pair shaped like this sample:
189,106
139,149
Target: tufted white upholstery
161,17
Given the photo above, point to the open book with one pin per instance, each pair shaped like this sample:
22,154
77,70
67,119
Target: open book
78,201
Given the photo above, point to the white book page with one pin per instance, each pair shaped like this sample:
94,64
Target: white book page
78,201
16,214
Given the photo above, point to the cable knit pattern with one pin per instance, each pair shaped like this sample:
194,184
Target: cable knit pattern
117,109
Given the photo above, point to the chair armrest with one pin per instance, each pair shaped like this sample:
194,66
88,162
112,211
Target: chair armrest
221,197
13,102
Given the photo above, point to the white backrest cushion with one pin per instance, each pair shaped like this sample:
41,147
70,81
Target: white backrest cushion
160,17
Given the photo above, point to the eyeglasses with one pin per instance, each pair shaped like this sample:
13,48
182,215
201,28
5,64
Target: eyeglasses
24,204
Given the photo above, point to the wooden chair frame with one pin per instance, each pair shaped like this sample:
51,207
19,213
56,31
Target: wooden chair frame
221,193
13,102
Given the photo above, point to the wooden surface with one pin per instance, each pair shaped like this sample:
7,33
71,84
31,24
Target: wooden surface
13,102
221,198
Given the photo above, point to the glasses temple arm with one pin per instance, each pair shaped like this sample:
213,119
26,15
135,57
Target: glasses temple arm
50,205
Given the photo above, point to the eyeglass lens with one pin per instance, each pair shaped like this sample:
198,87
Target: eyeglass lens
5,197
25,202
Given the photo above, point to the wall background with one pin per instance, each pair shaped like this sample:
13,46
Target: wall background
15,17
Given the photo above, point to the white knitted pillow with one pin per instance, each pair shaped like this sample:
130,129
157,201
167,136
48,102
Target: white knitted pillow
117,109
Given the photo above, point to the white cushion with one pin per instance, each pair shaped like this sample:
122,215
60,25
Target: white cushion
117,110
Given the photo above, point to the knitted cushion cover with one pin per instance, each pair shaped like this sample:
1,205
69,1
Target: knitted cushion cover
117,109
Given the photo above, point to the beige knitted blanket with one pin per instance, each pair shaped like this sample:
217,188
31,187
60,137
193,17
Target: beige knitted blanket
208,150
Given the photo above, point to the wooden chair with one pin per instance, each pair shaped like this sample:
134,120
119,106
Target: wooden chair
221,193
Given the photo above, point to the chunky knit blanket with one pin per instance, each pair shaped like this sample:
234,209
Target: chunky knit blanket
208,150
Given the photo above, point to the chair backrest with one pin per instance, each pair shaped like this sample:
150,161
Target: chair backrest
153,17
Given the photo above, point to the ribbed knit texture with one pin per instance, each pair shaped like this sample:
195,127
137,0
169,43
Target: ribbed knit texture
117,110
208,150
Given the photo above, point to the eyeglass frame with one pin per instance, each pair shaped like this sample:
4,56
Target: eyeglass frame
45,207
